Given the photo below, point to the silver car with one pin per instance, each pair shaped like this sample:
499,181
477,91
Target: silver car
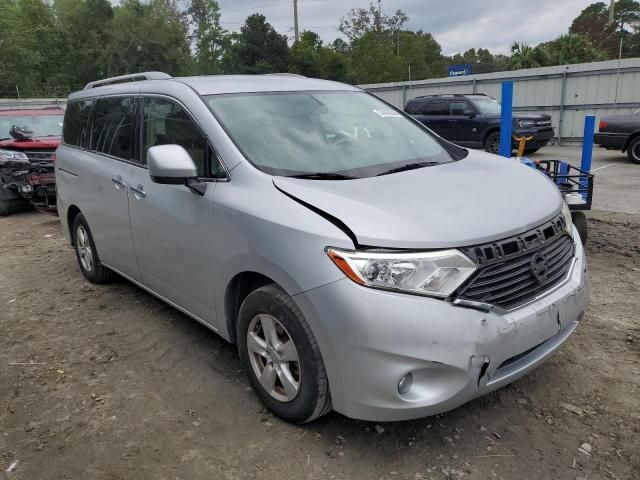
360,262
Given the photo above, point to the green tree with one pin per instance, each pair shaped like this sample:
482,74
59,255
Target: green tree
84,29
210,39
593,24
568,49
524,56
309,57
360,21
260,48
148,36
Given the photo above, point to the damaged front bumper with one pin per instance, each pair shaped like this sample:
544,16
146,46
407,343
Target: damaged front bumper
371,339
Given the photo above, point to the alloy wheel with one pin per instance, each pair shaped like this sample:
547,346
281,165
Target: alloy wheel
273,357
85,252
636,151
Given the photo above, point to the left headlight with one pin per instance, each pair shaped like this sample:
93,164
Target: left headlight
568,221
437,273
13,156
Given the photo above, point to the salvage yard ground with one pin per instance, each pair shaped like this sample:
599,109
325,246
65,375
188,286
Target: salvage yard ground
106,382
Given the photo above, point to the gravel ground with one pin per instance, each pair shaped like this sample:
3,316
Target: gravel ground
106,382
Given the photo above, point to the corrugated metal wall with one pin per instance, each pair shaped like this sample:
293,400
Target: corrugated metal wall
567,92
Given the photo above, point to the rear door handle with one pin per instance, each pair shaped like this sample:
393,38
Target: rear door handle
118,183
138,191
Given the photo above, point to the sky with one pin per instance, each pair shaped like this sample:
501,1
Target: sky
456,24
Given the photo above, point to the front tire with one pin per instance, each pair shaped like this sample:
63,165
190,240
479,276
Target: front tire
87,254
633,150
580,221
281,357
492,143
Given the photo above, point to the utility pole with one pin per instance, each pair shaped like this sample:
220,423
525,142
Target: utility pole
295,19
612,7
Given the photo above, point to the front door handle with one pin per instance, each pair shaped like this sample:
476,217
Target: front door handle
138,191
118,183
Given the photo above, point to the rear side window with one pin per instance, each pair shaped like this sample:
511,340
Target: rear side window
459,107
114,128
436,108
76,123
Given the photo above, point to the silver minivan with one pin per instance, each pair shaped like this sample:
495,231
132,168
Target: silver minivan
360,262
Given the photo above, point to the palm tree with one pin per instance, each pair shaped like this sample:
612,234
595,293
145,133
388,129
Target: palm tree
523,56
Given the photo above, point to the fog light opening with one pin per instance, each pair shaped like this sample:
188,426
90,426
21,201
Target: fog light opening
405,383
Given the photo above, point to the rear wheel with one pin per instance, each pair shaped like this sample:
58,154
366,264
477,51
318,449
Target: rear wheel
492,143
580,221
87,254
281,356
633,150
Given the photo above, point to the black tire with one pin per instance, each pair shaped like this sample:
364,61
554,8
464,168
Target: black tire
633,150
492,143
94,271
312,399
580,221
10,202
529,151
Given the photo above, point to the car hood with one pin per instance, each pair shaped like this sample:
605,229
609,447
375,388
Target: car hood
31,143
475,200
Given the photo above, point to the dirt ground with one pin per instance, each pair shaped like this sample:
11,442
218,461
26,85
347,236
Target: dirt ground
106,382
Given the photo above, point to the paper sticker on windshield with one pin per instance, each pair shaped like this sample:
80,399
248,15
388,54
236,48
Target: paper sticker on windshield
387,113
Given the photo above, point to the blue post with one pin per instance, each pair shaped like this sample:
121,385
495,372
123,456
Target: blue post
505,119
587,151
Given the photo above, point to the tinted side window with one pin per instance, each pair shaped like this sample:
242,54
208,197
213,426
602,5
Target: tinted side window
114,127
459,107
76,123
412,107
436,108
167,123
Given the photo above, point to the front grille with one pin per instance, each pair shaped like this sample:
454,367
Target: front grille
507,277
44,155
543,123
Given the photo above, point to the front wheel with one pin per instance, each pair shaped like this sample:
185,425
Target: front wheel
87,254
633,150
492,143
580,221
281,357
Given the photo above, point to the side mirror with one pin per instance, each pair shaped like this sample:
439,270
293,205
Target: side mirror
172,165
469,112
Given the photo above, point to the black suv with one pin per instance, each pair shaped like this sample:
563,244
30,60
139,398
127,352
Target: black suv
474,121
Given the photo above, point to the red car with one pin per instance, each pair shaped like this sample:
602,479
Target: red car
28,141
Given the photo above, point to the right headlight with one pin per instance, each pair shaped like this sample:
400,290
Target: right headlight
438,273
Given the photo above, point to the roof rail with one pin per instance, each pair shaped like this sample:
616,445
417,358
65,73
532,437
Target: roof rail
452,95
285,74
133,77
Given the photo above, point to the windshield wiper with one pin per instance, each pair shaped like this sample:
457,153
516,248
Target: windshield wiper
409,166
323,176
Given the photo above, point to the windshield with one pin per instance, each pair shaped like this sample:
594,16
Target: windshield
352,134
487,106
40,125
